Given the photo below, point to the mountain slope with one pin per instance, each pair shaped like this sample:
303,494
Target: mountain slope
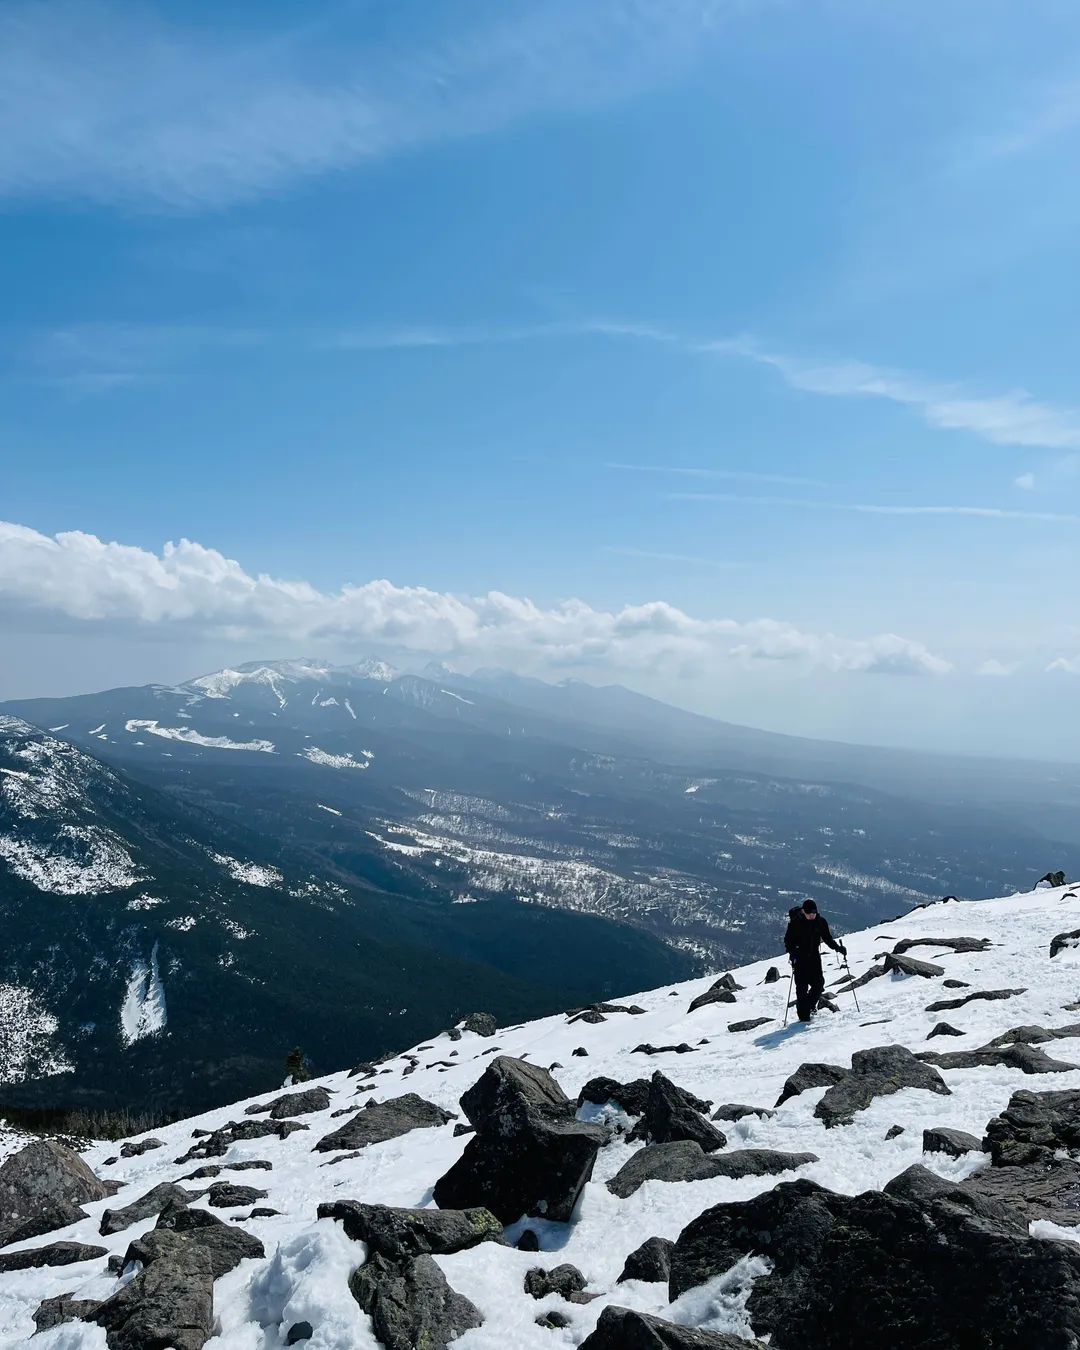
304,1275
156,952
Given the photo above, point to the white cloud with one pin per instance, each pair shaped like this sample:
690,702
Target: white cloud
108,102
1063,663
1025,481
998,668
76,580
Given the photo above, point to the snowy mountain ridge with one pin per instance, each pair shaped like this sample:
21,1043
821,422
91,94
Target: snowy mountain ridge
1004,973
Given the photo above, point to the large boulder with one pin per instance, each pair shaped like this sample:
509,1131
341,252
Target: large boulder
876,1073
685,1160
225,1244
907,965
380,1121
566,1281
1038,1190
630,1096
43,1187
1034,1126
292,1104
954,1143
153,1202
723,991
651,1262
1063,940
1017,1055
400,1234
51,1312
624,1329
55,1254
879,1271
170,1303
669,1117
530,1154
410,1303
808,1076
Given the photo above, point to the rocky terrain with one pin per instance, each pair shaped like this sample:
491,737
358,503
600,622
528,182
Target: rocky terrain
673,1169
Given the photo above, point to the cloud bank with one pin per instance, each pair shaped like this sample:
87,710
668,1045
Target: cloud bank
76,581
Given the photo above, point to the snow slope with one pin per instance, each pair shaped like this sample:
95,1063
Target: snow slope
308,1261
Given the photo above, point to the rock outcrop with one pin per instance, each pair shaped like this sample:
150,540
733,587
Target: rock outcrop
380,1121
43,1187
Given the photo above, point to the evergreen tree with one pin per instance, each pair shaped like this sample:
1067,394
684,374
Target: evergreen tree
296,1065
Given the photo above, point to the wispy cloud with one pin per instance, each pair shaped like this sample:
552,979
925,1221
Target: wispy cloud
76,581
805,504
105,101
742,475
998,669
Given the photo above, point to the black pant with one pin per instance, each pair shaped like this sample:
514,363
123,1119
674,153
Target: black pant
809,983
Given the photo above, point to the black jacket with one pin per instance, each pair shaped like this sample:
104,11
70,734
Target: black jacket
804,936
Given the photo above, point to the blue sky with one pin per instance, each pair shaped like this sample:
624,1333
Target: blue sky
759,314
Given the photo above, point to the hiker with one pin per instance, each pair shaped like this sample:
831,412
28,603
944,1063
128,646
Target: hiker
806,931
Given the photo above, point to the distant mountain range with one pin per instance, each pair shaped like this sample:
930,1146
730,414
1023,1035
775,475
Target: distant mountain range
195,877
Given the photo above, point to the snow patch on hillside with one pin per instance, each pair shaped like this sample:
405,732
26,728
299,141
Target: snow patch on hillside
345,761
77,860
191,737
142,1012
251,873
27,1031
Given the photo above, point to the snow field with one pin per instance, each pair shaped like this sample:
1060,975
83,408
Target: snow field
304,1277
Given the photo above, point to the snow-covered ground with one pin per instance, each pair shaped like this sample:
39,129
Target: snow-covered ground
304,1275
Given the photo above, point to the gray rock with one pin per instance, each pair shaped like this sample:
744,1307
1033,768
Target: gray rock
943,1029
400,1234
771,975
381,1121
623,1329
734,1111
956,984
52,1312
530,1154
218,1142
991,995
553,1320
153,1202
876,1073
808,1076
1034,1126
1026,1058
580,1052
55,1254
225,1195
907,965
299,1331
170,1303
685,1160
225,1244
137,1147
958,944
590,1015
1063,940
750,1024
894,1132
717,993
43,1187
631,1097
566,1281
483,1024
263,1212
882,1270
1037,1191
1031,1035
293,1104
650,1262
528,1241
215,1169
668,1117
410,1303
919,1184
953,1142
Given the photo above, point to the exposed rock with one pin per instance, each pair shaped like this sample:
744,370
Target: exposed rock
137,1147
907,965
669,1117
950,1271
651,1262
225,1244
170,1303
685,1160
894,1132
683,1048
1052,879
43,1187
1031,1035
410,1303
720,992
958,944
481,1023
1063,940
153,1202
64,1308
1038,1191
750,1023
293,1104
623,1329
943,1029
632,1097
400,1234
553,1320
55,1254
225,1195
808,1076
956,984
992,995
530,1155
771,975
919,1184
953,1142
528,1241
1033,1126
580,1052
874,973
215,1169
218,1142
589,1015
299,1331
631,1008
381,1121
566,1281
1027,1058
460,1129
733,1111
876,1073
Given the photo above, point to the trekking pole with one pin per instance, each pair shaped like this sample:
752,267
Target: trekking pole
851,977
787,1001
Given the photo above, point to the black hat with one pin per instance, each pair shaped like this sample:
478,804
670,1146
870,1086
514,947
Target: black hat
809,906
